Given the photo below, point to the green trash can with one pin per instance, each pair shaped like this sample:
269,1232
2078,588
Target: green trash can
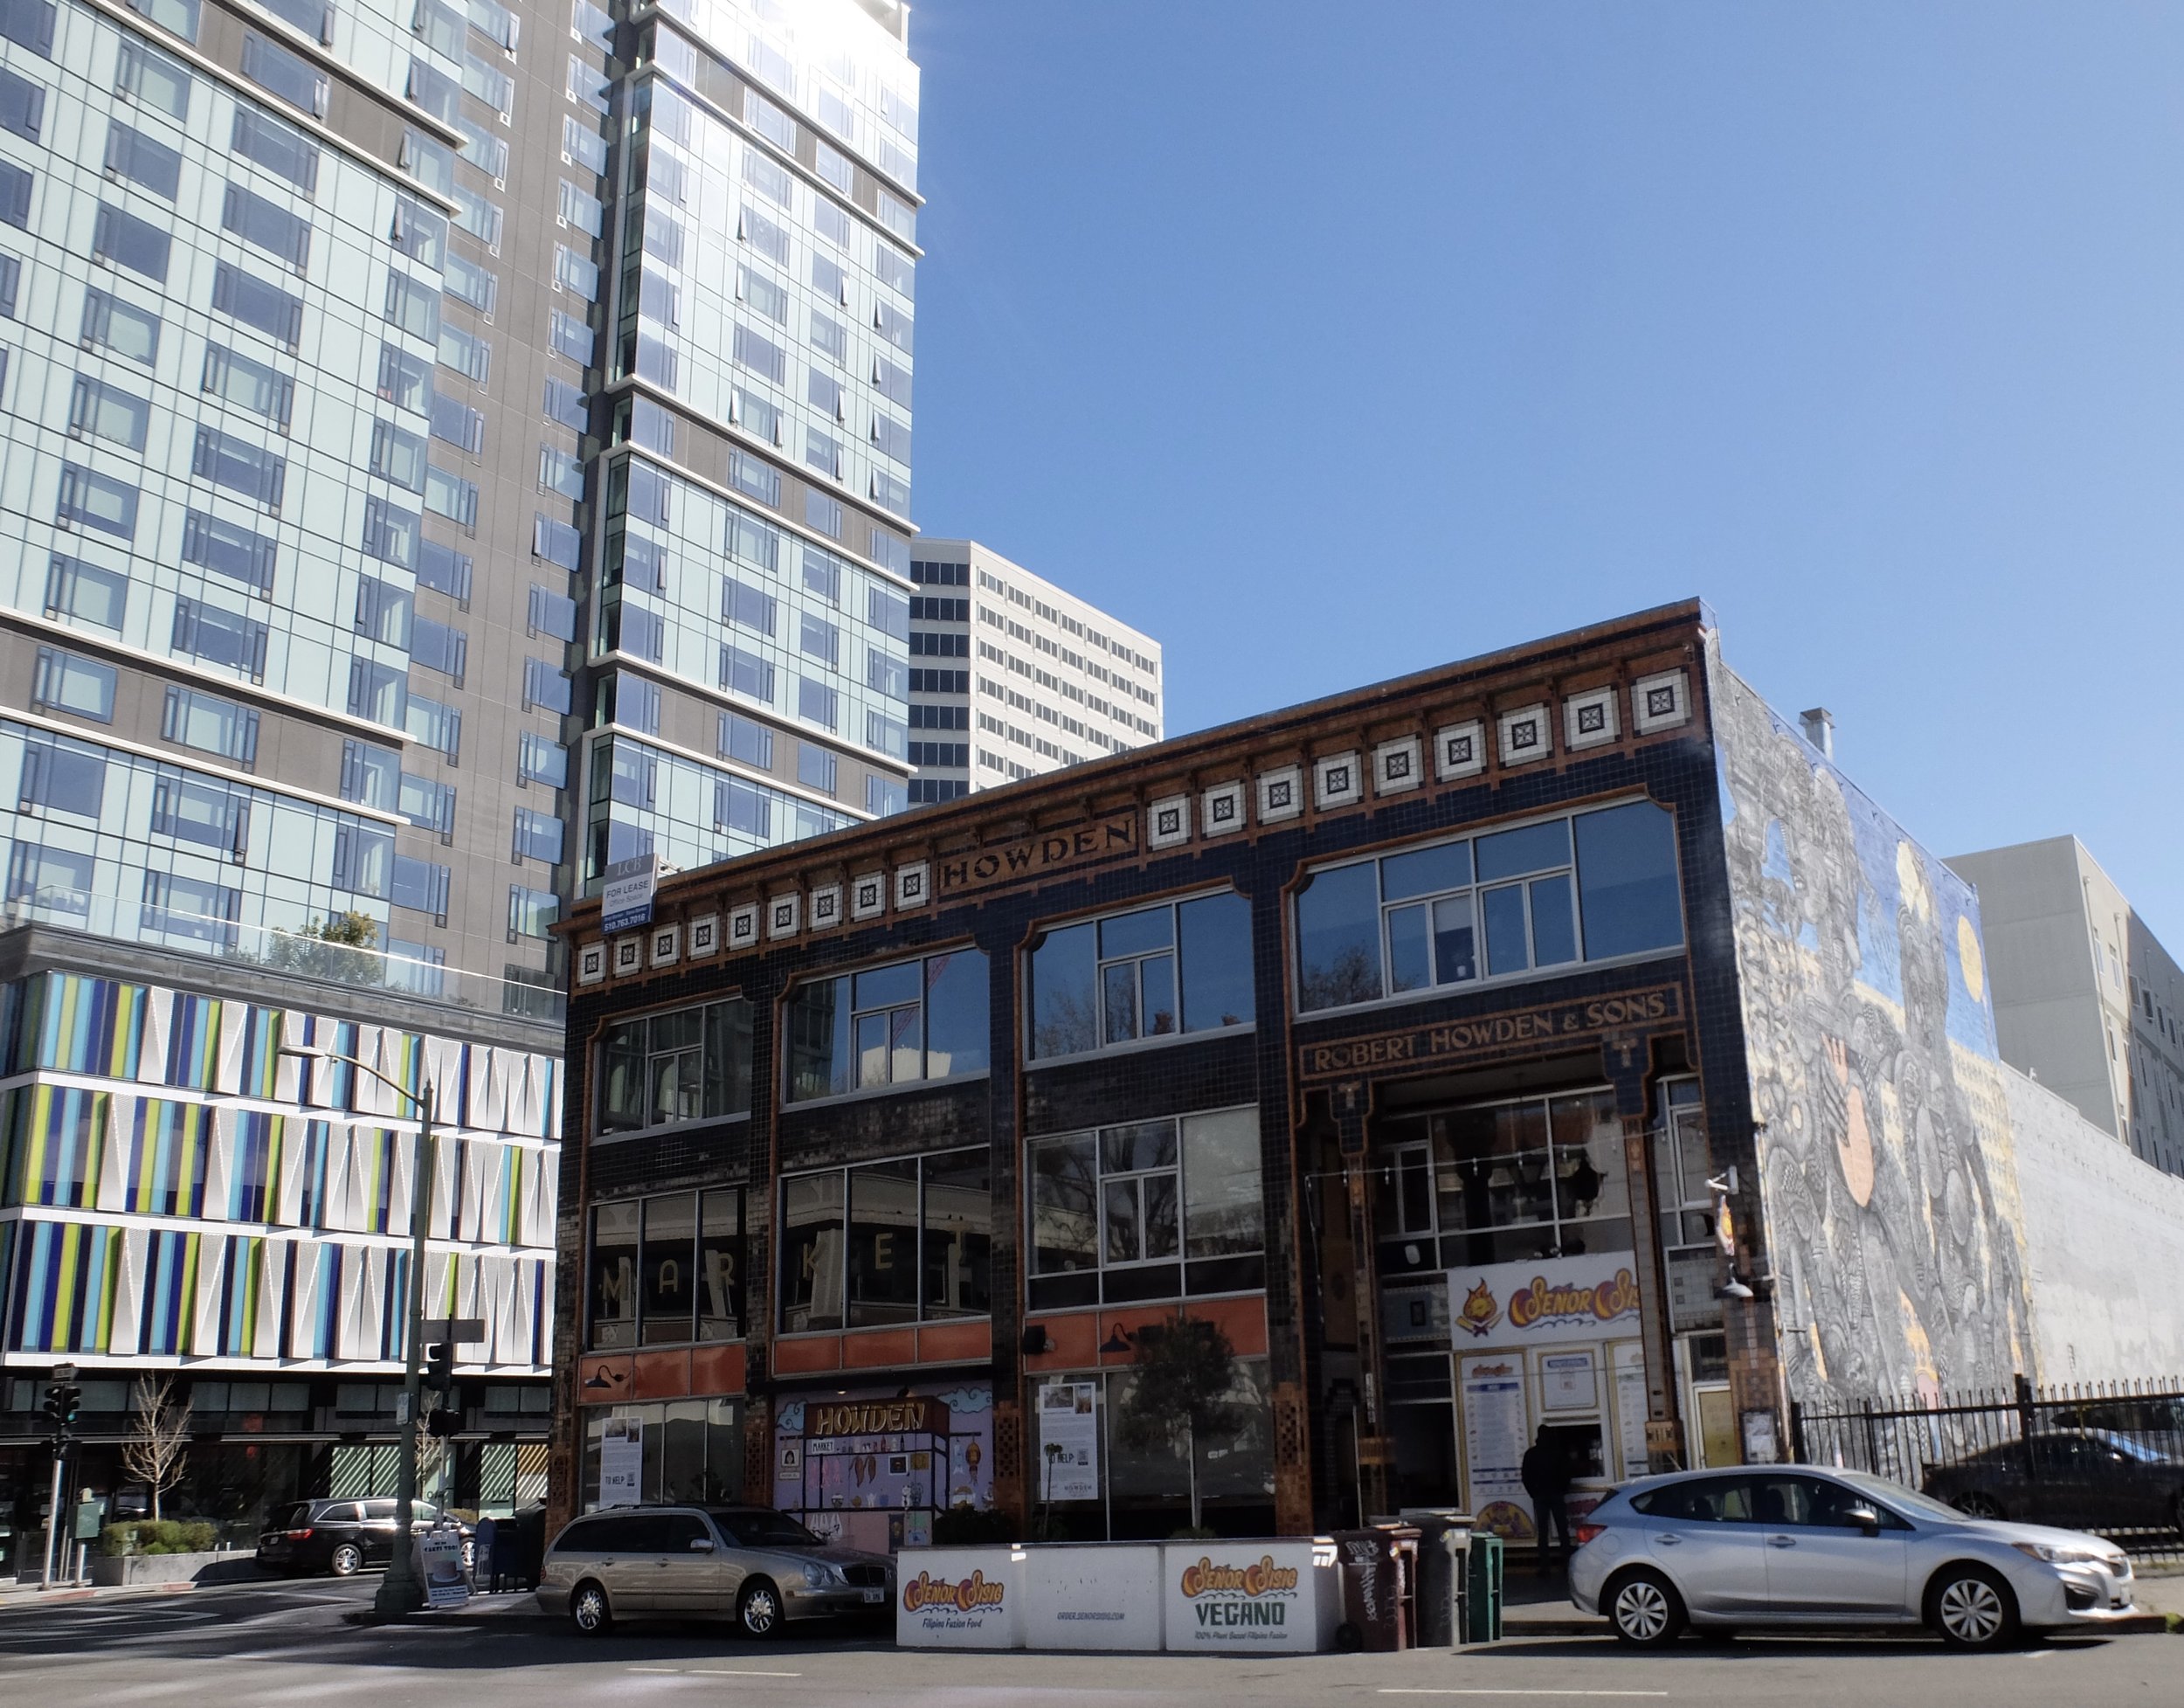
1482,1589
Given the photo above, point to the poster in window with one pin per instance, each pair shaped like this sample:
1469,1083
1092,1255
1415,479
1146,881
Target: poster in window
1630,1409
622,1462
1069,1441
1569,1381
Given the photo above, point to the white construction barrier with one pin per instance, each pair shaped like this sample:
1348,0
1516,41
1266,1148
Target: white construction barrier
960,1598
1093,1595
1252,1597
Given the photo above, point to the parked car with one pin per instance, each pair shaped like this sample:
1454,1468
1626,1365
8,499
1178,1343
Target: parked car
1799,1545
2152,1419
2091,1477
339,1536
751,1564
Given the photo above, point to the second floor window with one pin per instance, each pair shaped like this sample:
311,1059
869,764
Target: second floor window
693,1064
1183,966
889,1025
666,1271
888,1242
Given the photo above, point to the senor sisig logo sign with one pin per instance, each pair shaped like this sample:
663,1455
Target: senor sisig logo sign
974,1593
1268,1602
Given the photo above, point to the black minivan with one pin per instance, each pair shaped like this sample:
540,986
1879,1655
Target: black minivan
338,1536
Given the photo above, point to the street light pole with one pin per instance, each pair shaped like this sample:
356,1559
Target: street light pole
399,1591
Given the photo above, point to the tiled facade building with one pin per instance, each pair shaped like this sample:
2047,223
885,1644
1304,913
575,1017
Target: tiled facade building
1010,677
1418,1038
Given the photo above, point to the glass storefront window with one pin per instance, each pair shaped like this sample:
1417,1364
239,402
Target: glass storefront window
666,1269
692,1451
1520,1177
693,1064
1590,887
1157,1209
916,1242
895,1025
1155,971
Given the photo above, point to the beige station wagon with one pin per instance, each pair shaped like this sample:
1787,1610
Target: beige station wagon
751,1564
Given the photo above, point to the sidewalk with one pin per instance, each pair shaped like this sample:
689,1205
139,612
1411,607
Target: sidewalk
1536,1604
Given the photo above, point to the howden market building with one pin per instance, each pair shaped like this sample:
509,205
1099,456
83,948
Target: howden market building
1523,1043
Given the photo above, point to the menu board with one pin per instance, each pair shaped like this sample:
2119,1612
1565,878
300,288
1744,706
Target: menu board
1495,1435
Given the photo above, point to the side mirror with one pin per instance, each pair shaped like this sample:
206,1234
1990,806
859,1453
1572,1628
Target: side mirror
700,1545
1865,1519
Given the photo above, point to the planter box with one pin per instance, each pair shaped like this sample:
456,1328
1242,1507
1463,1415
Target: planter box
1093,1595
1252,1597
110,1571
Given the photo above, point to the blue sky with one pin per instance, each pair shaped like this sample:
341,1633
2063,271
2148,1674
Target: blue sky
1328,343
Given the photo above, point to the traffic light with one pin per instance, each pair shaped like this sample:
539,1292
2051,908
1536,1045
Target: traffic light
443,1422
440,1367
64,1405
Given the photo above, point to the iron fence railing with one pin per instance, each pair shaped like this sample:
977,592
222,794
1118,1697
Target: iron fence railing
2106,1457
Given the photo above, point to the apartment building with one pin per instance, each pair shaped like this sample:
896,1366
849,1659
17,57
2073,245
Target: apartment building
451,446
1012,677
2087,1001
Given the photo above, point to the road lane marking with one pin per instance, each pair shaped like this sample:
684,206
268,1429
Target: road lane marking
1444,1690
714,1672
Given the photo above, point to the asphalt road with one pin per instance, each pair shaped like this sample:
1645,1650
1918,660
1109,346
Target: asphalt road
288,1643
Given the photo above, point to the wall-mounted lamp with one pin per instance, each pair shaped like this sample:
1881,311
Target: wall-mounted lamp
1117,1342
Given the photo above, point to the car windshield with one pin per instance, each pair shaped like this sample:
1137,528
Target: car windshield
756,1529
2130,1448
1901,1499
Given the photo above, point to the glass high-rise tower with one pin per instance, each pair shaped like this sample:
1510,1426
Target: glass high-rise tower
448,447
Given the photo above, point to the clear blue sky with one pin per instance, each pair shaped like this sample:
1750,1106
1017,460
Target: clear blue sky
1327,342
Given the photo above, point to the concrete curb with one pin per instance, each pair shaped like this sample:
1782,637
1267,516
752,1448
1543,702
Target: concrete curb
2139,1624
18,1600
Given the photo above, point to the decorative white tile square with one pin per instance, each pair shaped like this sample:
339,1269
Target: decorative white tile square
1280,794
705,937
743,926
1168,821
783,914
1459,750
1588,719
667,945
1526,736
868,895
826,906
1660,702
629,955
1338,780
1396,766
1222,810
591,964
913,885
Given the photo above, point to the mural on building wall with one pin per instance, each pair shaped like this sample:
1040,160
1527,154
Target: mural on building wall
1892,1199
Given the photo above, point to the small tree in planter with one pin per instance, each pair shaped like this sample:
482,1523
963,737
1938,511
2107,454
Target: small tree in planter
1184,1373
158,1441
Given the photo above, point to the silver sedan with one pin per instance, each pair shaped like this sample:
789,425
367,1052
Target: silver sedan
758,1567
1801,1545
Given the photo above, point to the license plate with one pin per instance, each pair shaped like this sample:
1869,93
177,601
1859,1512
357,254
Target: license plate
874,1597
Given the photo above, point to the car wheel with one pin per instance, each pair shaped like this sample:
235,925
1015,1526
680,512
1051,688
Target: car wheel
1645,1609
1976,1504
588,1610
758,1608
1971,1608
346,1560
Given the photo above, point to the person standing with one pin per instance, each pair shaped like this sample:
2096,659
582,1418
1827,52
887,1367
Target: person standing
1545,1471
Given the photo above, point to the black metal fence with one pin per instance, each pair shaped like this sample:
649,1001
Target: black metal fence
2104,1457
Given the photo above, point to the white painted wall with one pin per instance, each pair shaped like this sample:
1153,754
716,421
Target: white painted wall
2104,1245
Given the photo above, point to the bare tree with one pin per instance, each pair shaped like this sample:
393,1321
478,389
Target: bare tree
159,1438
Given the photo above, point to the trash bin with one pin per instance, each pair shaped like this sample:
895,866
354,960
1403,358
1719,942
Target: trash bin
1379,1574
1482,1589
1444,1536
